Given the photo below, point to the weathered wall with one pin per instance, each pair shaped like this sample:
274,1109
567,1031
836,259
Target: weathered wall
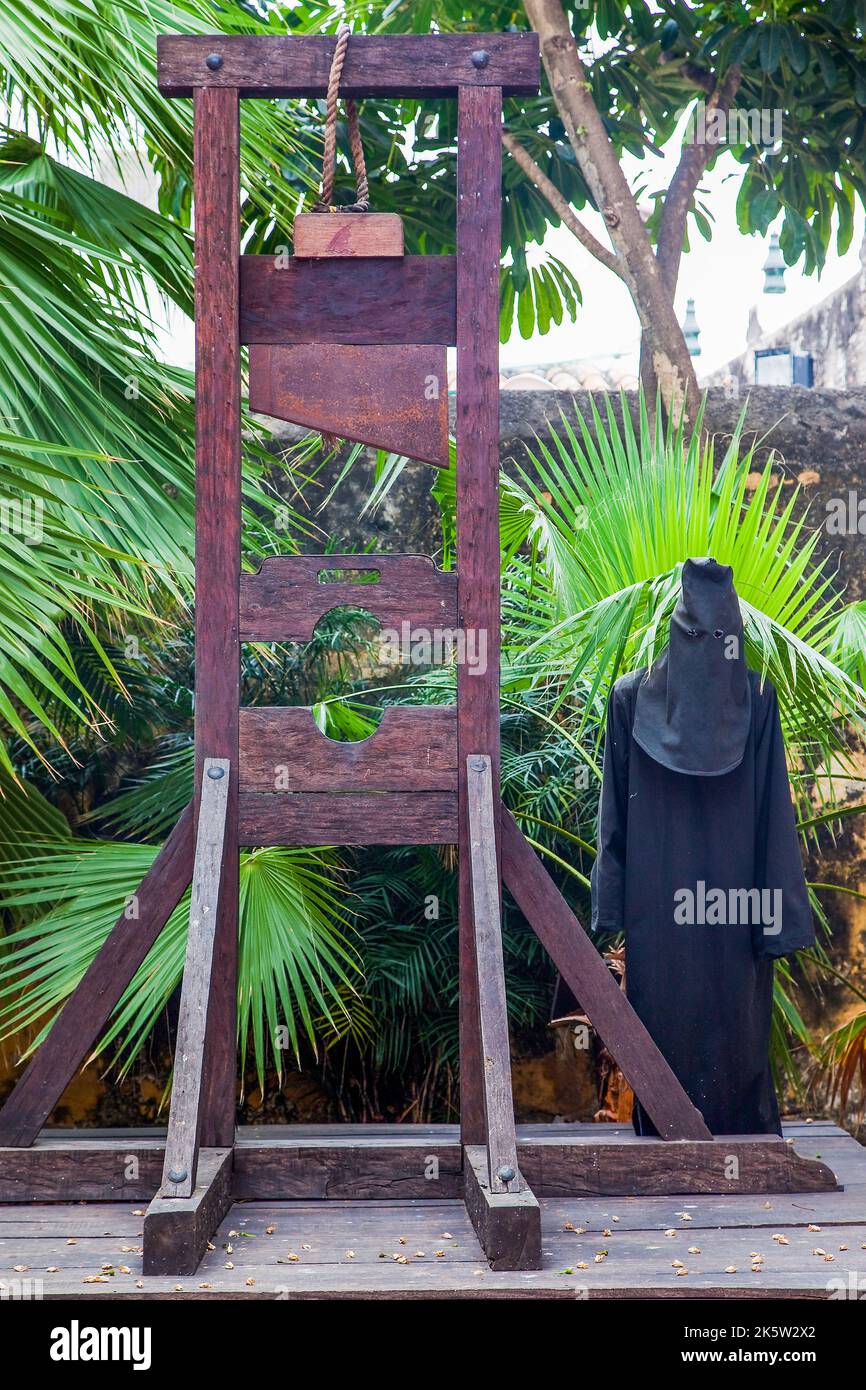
833,332
818,438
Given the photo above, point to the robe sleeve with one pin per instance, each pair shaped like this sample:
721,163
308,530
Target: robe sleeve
608,871
778,858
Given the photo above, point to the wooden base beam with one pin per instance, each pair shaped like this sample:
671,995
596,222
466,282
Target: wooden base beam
310,1163
177,1229
508,1224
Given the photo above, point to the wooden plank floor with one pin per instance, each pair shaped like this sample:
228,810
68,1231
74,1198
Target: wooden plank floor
413,1249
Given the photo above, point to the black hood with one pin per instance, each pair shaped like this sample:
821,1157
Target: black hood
694,706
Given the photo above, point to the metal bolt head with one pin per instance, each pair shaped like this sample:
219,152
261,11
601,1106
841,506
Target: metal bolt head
216,773
478,764
506,1173
480,58
177,1175
214,61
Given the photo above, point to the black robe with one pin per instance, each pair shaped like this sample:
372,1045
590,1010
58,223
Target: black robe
703,987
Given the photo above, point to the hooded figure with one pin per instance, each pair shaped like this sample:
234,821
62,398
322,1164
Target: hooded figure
698,856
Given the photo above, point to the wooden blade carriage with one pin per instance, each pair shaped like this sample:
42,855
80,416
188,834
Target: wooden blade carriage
343,337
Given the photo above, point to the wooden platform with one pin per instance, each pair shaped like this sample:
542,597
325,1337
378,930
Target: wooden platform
391,1248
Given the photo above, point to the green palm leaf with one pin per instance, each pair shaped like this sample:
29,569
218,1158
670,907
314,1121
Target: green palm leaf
297,970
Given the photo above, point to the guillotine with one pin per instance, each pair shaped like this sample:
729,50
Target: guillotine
344,332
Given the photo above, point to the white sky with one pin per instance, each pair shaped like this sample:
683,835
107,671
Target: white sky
724,277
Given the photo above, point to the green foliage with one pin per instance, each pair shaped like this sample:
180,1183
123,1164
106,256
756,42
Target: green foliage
648,64
295,955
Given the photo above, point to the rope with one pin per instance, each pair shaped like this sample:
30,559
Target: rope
329,157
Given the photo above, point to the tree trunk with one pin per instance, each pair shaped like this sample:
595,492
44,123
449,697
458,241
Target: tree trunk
664,355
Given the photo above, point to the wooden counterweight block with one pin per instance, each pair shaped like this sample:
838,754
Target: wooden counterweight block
348,234
393,398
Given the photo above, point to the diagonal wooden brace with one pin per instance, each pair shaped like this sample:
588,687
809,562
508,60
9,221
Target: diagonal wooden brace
624,1035
88,1008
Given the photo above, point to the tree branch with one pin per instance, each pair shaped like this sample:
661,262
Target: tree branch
560,205
689,172
665,352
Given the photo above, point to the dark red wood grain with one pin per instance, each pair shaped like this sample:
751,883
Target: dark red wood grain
217,551
348,818
601,998
410,65
288,596
413,749
90,1004
478,251
409,299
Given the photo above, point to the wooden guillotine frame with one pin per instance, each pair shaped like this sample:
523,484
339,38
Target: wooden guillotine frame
427,776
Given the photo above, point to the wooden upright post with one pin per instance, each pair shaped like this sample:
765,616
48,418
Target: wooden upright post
217,552
479,118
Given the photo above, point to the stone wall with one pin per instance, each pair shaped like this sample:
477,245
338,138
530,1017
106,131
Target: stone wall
818,437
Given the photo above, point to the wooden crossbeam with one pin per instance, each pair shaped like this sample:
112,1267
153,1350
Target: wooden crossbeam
347,818
393,1162
408,65
587,976
289,594
88,1008
366,301
184,1122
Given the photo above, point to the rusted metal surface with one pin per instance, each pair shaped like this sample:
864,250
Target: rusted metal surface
393,398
